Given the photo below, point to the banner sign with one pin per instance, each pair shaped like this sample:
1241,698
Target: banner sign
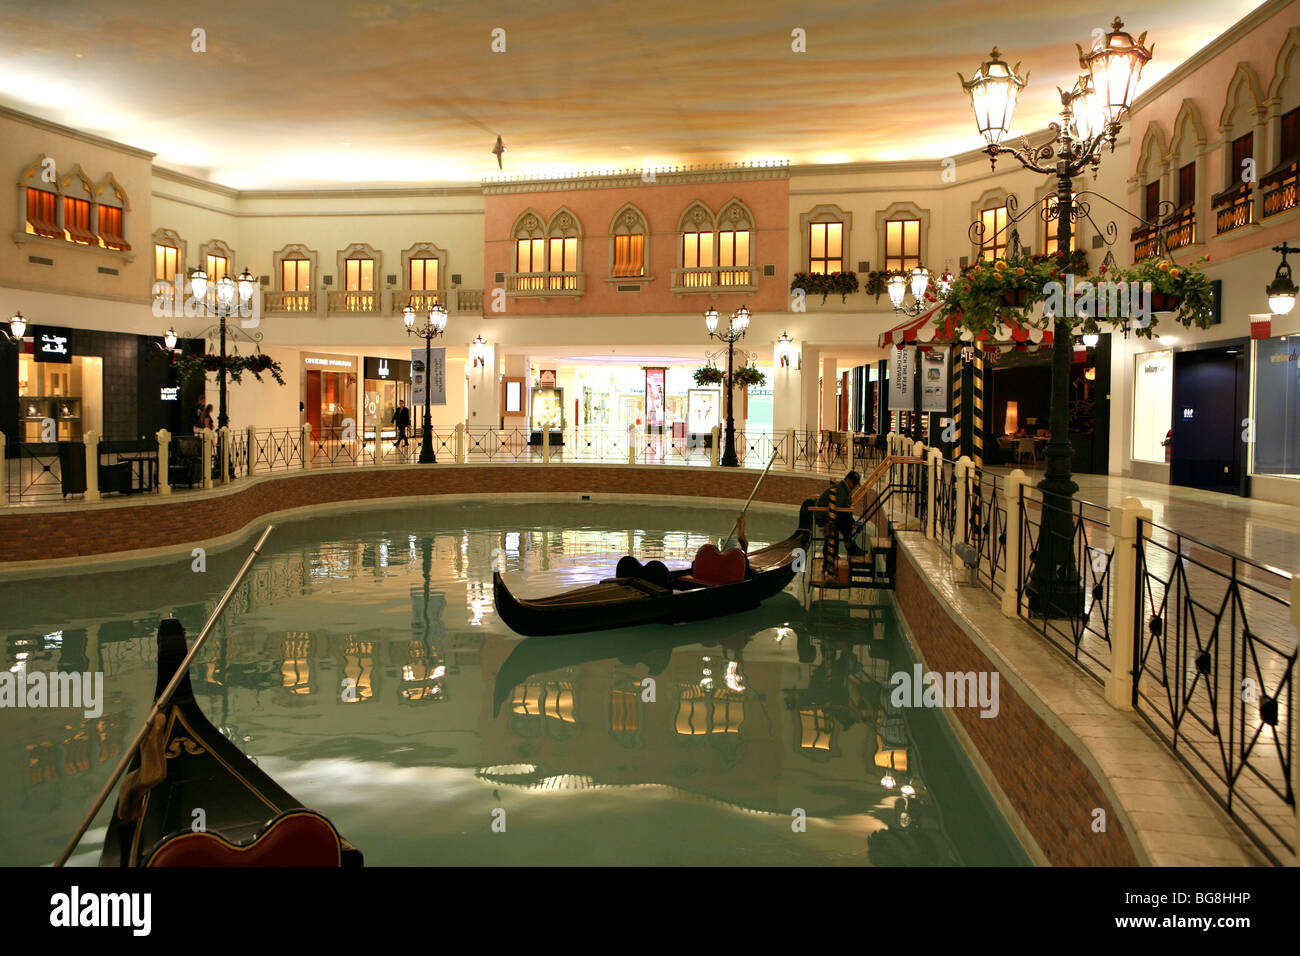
901,366
934,380
654,396
437,377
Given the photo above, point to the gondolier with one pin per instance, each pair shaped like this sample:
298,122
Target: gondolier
841,493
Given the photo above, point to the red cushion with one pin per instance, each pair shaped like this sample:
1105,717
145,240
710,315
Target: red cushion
712,567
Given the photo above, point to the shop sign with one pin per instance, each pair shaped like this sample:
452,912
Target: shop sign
546,379
386,369
437,377
329,363
901,365
934,380
170,393
50,344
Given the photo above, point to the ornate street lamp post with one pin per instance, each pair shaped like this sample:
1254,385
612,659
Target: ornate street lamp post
1091,115
435,324
735,332
227,288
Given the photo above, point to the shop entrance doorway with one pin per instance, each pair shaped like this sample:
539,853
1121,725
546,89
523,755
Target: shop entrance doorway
1209,404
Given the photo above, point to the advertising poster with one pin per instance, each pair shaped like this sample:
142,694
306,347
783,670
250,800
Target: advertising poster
654,396
437,377
934,380
901,366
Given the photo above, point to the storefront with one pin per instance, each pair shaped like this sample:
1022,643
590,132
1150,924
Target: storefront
1276,408
329,391
1153,398
1210,398
387,381
60,383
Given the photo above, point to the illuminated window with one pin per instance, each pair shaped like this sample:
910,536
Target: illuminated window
826,247
423,274
166,260
42,214
902,245
110,228
76,221
994,220
1051,243
217,267
629,256
1187,185
733,253
359,275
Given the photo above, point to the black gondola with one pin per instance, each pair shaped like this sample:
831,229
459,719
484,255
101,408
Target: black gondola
192,774
651,594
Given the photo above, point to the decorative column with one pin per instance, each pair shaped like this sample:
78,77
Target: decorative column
306,445
4,473
164,438
1016,481
209,454
252,450
224,450
460,443
1125,592
960,474
935,466
91,442
713,448
631,446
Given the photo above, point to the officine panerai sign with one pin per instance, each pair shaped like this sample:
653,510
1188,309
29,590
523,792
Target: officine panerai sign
51,344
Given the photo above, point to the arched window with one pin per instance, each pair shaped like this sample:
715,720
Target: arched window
735,241
40,199
825,235
168,263
78,208
564,236
529,235
1280,186
217,259
424,275
295,279
1045,213
695,253
903,229
359,270
992,212
1185,156
628,244
112,206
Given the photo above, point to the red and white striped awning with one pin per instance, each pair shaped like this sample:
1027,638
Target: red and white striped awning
922,330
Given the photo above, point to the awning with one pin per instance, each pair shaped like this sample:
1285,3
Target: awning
922,330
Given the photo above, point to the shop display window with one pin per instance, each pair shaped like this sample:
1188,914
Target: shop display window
1153,396
1277,406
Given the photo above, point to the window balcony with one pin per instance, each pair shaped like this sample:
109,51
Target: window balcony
421,300
1279,188
288,302
715,279
365,303
543,285
1233,208
1182,229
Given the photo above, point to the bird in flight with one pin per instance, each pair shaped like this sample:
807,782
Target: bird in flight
499,149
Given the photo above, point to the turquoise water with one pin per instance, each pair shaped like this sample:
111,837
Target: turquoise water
360,665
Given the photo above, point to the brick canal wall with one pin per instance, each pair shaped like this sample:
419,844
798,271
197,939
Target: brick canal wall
130,524
1049,786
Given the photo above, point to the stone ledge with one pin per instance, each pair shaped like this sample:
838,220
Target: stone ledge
1166,816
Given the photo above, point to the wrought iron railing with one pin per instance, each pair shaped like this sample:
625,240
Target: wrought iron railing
33,473
497,444
986,527
1233,208
1074,619
1214,668
275,449
1278,188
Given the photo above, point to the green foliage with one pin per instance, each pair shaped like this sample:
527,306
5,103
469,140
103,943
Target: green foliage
826,283
748,376
198,366
709,375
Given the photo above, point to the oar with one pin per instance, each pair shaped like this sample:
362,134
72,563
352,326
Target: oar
747,503
162,700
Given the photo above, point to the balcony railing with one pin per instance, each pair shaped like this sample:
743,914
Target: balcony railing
354,301
422,300
544,284
714,278
1233,208
1182,230
288,301
1146,240
1279,188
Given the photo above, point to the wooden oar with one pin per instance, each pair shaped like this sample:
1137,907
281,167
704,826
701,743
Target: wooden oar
747,503
162,700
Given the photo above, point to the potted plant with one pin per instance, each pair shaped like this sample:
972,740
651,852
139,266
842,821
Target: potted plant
826,283
709,375
877,283
1183,290
259,363
747,376
989,293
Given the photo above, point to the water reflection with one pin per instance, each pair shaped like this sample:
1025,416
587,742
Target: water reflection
333,654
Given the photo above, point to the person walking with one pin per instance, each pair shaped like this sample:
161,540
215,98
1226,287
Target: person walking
402,419
205,419
841,493
196,415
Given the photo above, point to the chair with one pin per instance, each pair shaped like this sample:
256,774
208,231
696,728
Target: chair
1025,447
185,461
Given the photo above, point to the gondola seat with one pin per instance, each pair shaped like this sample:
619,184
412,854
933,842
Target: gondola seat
298,838
712,568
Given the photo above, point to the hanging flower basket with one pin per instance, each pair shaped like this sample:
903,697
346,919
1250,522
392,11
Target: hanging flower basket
1016,298
709,375
748,376
1164,302
212,363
